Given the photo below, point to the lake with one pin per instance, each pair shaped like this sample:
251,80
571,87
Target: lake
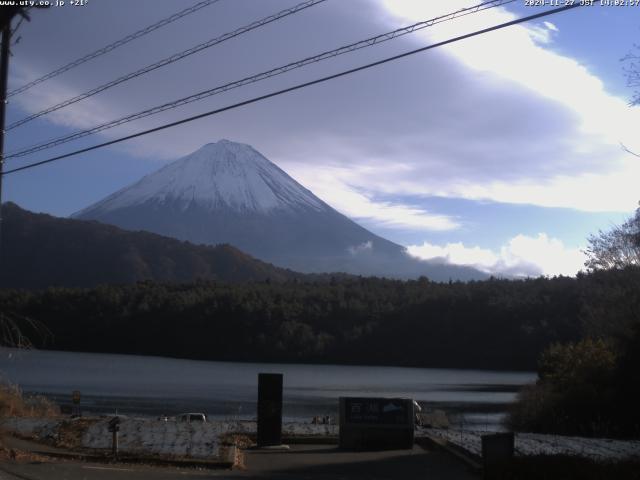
150,386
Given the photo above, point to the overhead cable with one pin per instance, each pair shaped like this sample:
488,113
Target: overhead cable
256,78
169,60
112,46
294,88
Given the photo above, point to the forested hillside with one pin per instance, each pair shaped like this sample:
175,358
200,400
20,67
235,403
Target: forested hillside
502,324
39,251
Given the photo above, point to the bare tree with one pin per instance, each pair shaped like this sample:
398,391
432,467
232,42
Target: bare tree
615,248
19,331
631,68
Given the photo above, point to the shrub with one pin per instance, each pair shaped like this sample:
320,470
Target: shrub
575,394
13,403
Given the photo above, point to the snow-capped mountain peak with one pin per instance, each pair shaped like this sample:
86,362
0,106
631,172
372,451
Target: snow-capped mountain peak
227,192
222,175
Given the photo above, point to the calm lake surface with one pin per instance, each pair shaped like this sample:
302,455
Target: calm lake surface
151,386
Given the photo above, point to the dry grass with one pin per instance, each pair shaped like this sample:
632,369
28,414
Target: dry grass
13,403
70,432
10,454
239,440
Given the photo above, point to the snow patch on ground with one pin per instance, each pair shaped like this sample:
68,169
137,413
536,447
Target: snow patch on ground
527,444
202,440
39,427
316,430
138,436
157,437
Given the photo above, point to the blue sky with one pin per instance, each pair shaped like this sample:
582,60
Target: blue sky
500,151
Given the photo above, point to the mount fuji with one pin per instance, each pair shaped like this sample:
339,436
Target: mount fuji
227,192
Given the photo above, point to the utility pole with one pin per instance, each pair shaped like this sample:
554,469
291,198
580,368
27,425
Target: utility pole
6,15
4,73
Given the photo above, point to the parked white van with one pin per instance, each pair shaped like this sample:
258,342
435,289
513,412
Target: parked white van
192,418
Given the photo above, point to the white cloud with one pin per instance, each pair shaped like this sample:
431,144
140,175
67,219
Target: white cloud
587,152
551,26
592,192
615,191
88,112
520,256
363,247
332,185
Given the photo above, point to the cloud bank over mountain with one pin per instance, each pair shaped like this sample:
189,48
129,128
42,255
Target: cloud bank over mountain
521,256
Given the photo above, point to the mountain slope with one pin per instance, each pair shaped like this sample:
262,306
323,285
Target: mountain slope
40,251
223,175
227,192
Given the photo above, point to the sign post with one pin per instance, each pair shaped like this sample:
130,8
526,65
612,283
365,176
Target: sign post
75,397
269,409
114,428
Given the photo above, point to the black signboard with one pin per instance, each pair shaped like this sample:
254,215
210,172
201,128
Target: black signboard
377,411
114,424
497,450
376,423
269,409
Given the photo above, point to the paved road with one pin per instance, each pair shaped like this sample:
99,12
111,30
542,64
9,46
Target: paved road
327,462
82,471
314,462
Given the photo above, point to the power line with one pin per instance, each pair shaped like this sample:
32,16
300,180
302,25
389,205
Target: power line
114,45
17,27
258,77
169,60
296,87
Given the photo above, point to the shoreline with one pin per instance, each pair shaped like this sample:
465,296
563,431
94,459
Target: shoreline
271,363
143,437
